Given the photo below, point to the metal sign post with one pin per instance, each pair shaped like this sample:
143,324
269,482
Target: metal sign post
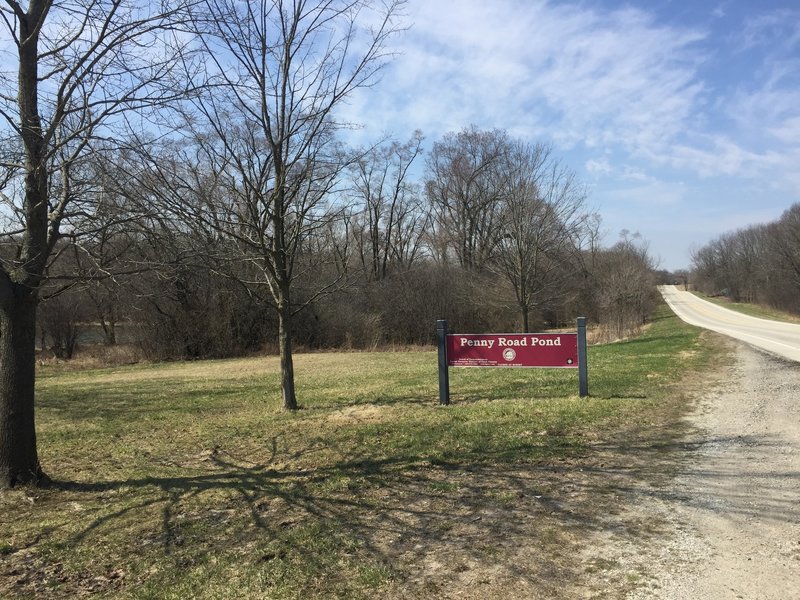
444,373
583,366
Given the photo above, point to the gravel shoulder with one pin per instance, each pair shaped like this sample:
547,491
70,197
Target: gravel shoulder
731,517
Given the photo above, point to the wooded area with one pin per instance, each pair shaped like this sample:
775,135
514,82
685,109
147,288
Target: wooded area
482,240
759,264
182,172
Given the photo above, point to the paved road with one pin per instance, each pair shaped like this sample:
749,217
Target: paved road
776,337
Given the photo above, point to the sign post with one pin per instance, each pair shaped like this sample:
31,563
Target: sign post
583,367
444,374
553,350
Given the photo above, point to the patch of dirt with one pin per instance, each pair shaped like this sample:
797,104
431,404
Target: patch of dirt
488,531
32,576
363,413
542,530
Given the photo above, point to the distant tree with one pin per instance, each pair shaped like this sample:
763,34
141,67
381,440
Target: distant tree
624,286
109,254
679,277
464,189
734,264
543,223
783,260
760,263
390,220
60,321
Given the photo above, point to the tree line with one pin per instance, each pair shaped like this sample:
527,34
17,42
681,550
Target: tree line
486,230
180,169
758,264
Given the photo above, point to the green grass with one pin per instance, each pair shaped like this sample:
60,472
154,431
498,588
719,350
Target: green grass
753,310
187,480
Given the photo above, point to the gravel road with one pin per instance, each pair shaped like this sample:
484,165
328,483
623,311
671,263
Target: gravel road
733,512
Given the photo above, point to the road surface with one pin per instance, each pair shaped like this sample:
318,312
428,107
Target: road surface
775,337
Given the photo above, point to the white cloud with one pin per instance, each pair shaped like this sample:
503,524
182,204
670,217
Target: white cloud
769,103
722,156
650,193
632,173
599,166
776,30
540,69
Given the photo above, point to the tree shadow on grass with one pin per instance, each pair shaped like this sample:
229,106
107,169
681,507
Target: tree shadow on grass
405,512
516,518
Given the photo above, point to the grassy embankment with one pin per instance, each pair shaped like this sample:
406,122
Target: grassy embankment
185,480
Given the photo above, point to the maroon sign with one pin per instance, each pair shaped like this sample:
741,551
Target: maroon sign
513,350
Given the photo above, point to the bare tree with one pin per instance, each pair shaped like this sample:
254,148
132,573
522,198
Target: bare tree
464,189
625,291
261,161
735,263
784,245
389,227
81,67
543,221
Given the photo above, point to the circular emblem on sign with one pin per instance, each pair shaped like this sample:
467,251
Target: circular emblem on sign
509,354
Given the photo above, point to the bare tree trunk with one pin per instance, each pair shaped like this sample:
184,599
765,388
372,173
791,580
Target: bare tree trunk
109,331
287,363
19,462
525,312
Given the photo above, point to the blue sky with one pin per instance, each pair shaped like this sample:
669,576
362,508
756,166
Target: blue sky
682,117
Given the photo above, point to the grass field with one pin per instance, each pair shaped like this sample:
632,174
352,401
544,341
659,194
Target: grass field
186,480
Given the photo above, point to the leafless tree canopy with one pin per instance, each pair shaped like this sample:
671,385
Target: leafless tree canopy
389,220
543,222
465,192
